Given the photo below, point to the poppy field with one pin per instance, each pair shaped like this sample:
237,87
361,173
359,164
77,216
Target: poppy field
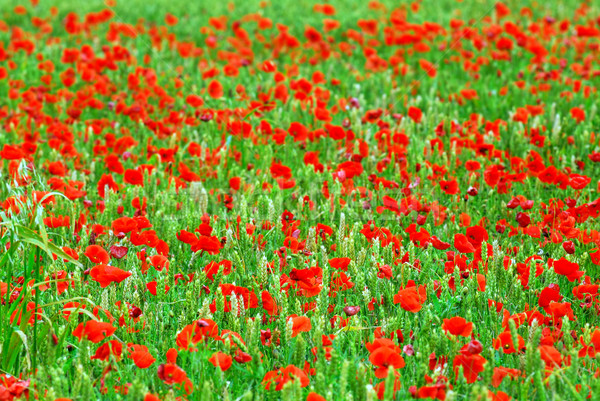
264,200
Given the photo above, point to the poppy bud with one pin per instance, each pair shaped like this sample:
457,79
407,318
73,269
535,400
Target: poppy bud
514,203
351,310
118,252
472,191
421,219
161,372
206,117
474,347
135,312
242,357
523,219
574,335
569,247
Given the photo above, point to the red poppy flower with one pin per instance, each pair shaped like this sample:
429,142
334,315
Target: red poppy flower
11,152
578,114
472,365
134,177
215,89
194,101
221,360
458,326
462,244
196,332
312,396
568,269
171,374
94,331
449,187
415,114
384,358
439,244
282,376
117,252
141,356
104,352
300,324
501,372
105,275
505,341
96,254
411,298
211,245
268,303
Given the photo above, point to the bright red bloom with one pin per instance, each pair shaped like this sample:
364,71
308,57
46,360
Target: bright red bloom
449,187
171,374
300,324
196,332
105,275
94,331
215,89
282,376
458,326
221,360
384,358
96,254
578,114
415,114
411,298
462,244
141,356
107,349
505,341
568,269
472,365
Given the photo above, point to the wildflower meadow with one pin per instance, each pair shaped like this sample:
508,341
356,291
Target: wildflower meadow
299,200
